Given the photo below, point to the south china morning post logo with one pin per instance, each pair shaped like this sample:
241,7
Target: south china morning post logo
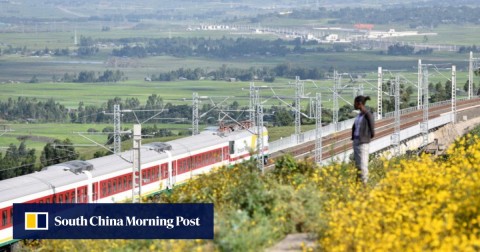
36,220
113,221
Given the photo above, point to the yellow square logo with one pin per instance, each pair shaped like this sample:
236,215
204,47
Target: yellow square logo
36,220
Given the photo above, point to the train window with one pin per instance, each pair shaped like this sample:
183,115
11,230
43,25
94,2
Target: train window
59,199
114,186
109,188
11,215
4,217
104,189
225,153
66,197
47,200
125,182
84,194
41,201
80,195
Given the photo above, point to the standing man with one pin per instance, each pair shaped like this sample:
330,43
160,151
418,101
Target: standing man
363,130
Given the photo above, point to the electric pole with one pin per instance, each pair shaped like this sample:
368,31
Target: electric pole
318,128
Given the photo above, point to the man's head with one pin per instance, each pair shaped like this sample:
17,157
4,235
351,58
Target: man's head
359,102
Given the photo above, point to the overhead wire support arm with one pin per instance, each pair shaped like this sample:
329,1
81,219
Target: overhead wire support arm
117,140
103,146
195,109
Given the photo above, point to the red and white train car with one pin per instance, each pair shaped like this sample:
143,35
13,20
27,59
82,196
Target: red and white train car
109,179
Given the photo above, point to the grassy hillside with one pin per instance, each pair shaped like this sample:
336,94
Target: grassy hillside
410,203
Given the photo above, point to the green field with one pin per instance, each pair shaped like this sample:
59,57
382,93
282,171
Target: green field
36,136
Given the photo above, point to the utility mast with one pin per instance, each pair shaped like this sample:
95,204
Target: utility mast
424,124
318,129
299,93
379,93
336,85
252,107
396,135
195,118
472,66
420,86
137,169
117,138
259,124
454,94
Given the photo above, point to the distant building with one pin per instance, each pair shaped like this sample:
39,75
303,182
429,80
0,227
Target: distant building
331,37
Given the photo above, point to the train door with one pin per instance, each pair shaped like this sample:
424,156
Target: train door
95,192
226,154
174,172
82,194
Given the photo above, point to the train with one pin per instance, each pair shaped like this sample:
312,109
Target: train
108,179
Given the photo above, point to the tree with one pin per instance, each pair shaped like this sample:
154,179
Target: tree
465,87
34,79
154,102
58,152
282,117
17,161
86,76
398,49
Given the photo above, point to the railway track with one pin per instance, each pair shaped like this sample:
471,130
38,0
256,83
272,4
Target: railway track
340,142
